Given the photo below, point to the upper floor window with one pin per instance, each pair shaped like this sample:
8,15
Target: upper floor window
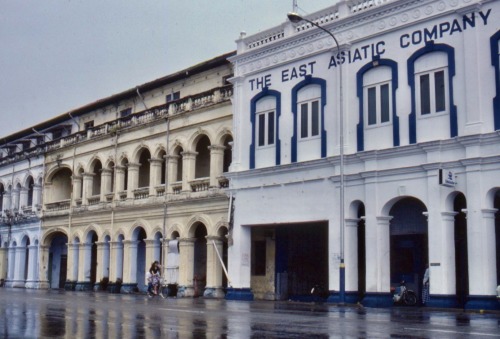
88,125
431,83
173,96
266,121
309,112
125,112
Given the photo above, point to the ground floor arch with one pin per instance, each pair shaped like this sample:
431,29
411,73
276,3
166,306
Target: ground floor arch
57,260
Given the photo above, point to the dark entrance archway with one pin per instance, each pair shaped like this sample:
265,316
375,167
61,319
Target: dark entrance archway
302,261
200,260
409,243
58,258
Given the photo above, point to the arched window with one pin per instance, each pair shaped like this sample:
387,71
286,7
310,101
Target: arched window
265,110
144,169
430,73
203,158
96,181
308,103
378,125
29,186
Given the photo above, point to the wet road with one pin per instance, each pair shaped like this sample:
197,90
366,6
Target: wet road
60,314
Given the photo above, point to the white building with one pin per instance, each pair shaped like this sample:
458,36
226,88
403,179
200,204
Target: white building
91,198
420,167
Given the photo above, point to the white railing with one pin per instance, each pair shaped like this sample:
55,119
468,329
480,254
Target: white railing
58,205
199,185
141,193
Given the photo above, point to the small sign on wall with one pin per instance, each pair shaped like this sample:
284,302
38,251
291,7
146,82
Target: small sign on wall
447,178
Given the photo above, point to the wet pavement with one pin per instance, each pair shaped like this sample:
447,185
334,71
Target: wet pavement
63,314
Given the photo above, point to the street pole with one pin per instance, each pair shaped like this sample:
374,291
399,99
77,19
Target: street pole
296,18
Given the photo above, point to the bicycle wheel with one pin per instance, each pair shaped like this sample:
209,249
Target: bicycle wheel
410,298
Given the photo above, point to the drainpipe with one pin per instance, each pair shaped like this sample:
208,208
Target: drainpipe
163,259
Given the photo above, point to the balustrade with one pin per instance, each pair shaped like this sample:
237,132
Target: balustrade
199,185
141,193
58,205
94,200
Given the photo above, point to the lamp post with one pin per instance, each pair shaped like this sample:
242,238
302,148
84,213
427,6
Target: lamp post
296,18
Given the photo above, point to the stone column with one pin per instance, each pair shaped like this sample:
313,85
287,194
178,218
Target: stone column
88,179
6,201
15,199
186,267
85,255
172,162
23,198
444,280
150,255
119,180
213,289
115,260
216,163
3,263
488,252
102,262
20,266
351,255
106,183
154,175
32,263
43,268
188,169
72,263
77,189
133,178
37,197
130,256
384,254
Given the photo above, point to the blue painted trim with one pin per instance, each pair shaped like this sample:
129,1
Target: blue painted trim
495,62
482,302
349,297
378,300
442,301
308,80
83,286
359,84
244,294
253,110
429,48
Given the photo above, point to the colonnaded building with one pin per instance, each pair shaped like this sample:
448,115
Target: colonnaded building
391,109
91,198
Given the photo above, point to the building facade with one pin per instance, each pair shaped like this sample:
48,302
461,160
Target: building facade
394,114
129,179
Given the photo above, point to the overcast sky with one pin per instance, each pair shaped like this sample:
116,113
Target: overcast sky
58,55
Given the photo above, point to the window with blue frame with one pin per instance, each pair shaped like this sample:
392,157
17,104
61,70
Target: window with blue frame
309,137
265,108
308,107
430,73
431,91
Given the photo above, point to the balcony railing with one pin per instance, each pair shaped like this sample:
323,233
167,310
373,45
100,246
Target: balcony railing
160,190
185,104
141,193
199,185
176,187
94,200
58,205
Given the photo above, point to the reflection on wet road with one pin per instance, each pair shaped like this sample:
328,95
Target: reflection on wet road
60,314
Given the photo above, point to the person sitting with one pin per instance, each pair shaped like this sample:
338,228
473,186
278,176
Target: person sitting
154,270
